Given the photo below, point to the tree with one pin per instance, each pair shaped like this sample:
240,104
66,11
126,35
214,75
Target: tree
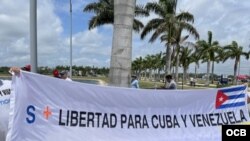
137,66
104,14
217,57
178,41
159,64
206,50
196,58
121,56
186,58
166,25
234,51
120,13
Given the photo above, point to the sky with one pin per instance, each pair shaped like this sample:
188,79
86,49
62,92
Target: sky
228,20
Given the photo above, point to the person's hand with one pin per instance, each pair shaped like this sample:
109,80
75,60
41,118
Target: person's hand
15,70
246,84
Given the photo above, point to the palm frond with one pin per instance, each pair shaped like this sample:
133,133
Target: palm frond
190,29
210,36
157,33
169,5
140,10
92,7
156,8
185,16
137,25
152,25
96,21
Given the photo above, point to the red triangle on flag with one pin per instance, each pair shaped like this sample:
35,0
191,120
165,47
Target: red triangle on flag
220,99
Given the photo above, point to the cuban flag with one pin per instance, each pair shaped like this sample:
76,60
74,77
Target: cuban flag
231,97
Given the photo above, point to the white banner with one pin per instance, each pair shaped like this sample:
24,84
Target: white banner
5,86
50,109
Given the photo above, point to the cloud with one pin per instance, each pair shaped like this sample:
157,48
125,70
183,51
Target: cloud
63,6
14,25
91,47
222,18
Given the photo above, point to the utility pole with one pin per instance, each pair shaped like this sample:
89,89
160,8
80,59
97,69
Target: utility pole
33,35
70,10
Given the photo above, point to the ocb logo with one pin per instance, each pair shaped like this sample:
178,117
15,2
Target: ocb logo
236,132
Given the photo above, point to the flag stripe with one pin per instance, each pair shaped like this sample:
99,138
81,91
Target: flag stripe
232,105
236,96
229,101
235,93
233,89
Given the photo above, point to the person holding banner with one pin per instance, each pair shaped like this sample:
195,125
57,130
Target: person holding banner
248,102
5,90
134,82
171,83
5,86
61,75
27,68
64,75
56,73
16,70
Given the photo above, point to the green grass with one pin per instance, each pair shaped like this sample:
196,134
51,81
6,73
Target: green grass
160,85
104,79
150,84
146,84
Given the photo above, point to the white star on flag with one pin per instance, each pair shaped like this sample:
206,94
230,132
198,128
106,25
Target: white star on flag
221,99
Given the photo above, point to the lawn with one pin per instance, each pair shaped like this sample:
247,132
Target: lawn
143,83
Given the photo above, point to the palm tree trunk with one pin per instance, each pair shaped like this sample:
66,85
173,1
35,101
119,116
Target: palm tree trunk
173,54
121,55
239,67
195,70
185,74
212,75
150,74
168,59
159,75
235,70
177,67
139,74
208,72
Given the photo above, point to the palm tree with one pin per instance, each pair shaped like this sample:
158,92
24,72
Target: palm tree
121,13
159,64
186,58
137,66
196,58
234,51
121,55
166,25
178,41
206,50
217,57
150,64
104,14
